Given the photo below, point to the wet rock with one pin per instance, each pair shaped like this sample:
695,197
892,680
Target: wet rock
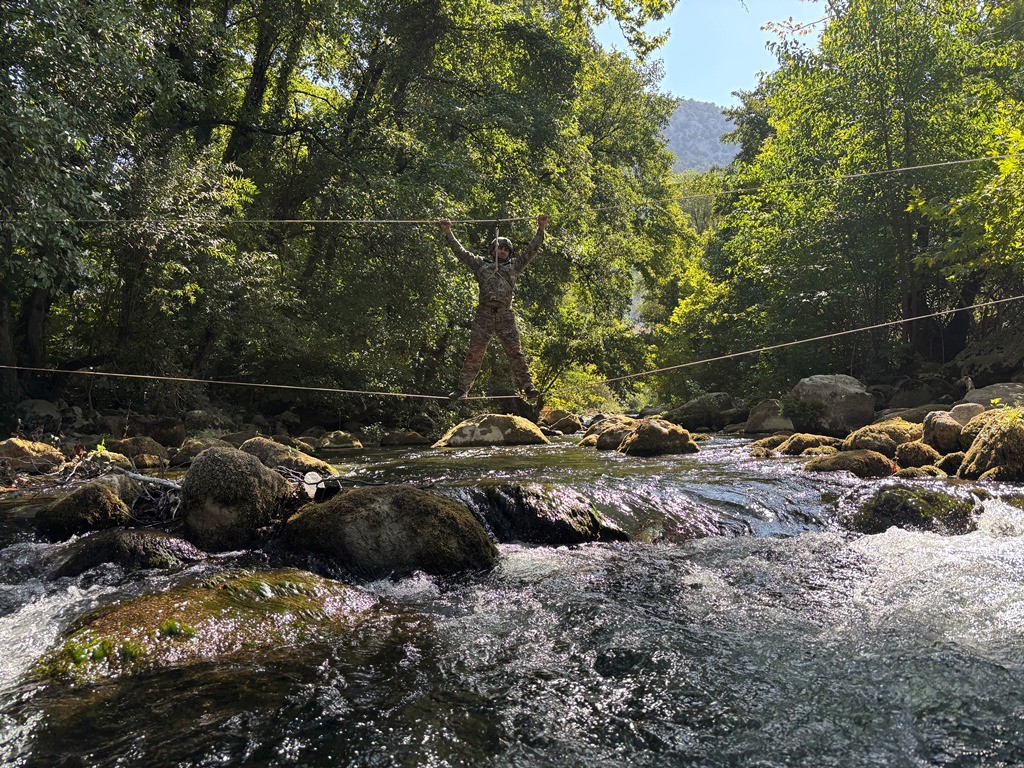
92,507
492,429
272,454
861,463
193,447
339,440
230,499
767,416
916,454
964,412
831,405
766,446
30,457
566,423
916,509
234,616
926,472
133,447
951,462
131,548
974,427
541,514
38,415
997,453
656,437
403,437
614,432
883,437
794,445
393,529
942,432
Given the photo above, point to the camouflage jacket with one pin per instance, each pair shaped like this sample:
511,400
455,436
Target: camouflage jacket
497,280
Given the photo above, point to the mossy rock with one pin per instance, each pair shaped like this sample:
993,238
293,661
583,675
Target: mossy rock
821,450
769,444
92,507
132,549
192,447
273,455
916,453
30,457
861,463
238,615
393,529
402,437
916,509
796,444
133,447
611,438
973,427
104,461
883,437
926,472
997,453
951,462
599,425
492,429
656,437
340,440
238,438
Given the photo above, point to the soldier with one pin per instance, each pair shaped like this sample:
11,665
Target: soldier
496,278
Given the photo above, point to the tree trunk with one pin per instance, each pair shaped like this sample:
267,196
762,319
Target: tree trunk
241,140
8,378
34,318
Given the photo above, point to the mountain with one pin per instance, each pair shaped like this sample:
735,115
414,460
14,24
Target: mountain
694,133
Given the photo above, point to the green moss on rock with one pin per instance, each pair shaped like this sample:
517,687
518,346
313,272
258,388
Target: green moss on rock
273,454
861,463
917,509
997,453
492,429
916,453
92,507
656,437
796,444
884,436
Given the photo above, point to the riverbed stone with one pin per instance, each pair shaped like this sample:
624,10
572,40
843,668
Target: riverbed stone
831,405
703,412
340,439
997,453
491,429
951,462
766,446
926,472
884,436
974,427
964,412
795,445
942,432
401,437
602,423
273,455
131,548
38,415
192,447
1006,395
656,437
767,416
393,529
167,431
92,507
239,616
916,453
133,447
862,463
29,456
230,499
917,509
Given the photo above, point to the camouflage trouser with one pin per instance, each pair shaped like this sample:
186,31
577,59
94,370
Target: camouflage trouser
486,323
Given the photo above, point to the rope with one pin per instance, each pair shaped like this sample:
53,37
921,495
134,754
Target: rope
567,215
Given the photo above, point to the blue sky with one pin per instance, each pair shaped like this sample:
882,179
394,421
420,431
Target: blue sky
717,46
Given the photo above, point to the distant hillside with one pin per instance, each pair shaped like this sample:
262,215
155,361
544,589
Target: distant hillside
693,135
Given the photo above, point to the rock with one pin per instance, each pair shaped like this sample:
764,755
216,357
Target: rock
193,447
883,437
132,549
767,416
998,449
339,440
614,432
203,419
913,415
403,437
950,463
287,422
99,462
926,472
230,499
831,405
149,461
492,429
911,393
1007,395
92,507
126,488
768,444
168,432
239,615
315,433
651,410
916,454
794,445
917,509
704,412
237,438
393,529
132,447
27,456
656,437
820,450
942,432
541,514
964,412
861,463
973,428
274,455
568,425
38,415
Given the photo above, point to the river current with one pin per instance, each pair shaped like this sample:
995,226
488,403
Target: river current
741,627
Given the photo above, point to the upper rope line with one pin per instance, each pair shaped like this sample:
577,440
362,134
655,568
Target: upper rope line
200,220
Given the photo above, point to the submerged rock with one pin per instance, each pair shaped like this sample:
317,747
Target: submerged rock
393,529
238,615
130,548
230,499
273,454
492,429
29,456
92,507
918,509
656,437
997,453
860,463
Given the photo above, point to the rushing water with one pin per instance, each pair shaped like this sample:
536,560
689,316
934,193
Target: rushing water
743,628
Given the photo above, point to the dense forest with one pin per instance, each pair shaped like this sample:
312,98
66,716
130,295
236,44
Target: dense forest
186,187
694,135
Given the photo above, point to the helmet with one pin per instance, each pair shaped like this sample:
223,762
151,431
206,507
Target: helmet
500,241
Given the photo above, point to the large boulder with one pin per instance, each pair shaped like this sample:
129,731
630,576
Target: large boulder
767,416
704,412
831,405
1006,395
393,529
193,447
561,421
655,437
917,509
964,412
883,437
203,419
861,463
942,432
28,456
974,427
230,499
38,415
92,507
997,453
133,447
492,429
611,436
130,548
273,455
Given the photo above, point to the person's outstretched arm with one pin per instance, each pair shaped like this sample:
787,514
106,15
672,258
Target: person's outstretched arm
466,257
531,250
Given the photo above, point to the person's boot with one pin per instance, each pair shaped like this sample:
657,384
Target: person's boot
457,394
531,392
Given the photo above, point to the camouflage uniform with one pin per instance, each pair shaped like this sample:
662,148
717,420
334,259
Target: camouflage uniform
494,315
